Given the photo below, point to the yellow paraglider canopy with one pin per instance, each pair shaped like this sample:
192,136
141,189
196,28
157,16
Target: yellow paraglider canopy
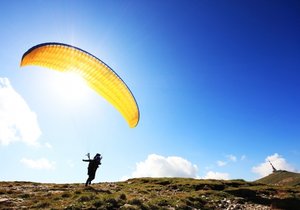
96,73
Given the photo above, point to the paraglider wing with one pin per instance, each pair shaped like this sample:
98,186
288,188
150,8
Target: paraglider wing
96,73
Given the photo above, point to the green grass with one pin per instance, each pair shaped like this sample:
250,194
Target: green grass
145,193
283,178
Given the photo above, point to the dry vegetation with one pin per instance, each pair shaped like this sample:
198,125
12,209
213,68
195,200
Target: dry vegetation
150,193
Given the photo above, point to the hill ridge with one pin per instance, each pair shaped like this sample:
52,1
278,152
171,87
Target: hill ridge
281,178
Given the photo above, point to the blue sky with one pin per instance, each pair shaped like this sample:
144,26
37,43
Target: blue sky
217,83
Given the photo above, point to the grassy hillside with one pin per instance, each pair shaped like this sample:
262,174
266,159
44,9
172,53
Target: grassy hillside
149,193
283,178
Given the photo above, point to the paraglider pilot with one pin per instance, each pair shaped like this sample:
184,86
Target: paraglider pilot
93,166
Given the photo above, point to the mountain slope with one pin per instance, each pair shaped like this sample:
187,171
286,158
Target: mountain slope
281,178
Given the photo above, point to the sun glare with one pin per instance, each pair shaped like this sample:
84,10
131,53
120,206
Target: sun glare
71,86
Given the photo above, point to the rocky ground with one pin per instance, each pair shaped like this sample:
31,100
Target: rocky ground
150,193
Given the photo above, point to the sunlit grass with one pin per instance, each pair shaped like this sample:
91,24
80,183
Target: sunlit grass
144,193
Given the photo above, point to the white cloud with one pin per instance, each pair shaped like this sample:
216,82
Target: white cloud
278,162
216,175
159,166
17,121
243,157
231,158
41,163
221,163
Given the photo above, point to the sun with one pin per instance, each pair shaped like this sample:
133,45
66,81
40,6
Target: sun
71,86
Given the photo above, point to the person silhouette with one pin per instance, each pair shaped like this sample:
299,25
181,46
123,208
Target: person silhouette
92,167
